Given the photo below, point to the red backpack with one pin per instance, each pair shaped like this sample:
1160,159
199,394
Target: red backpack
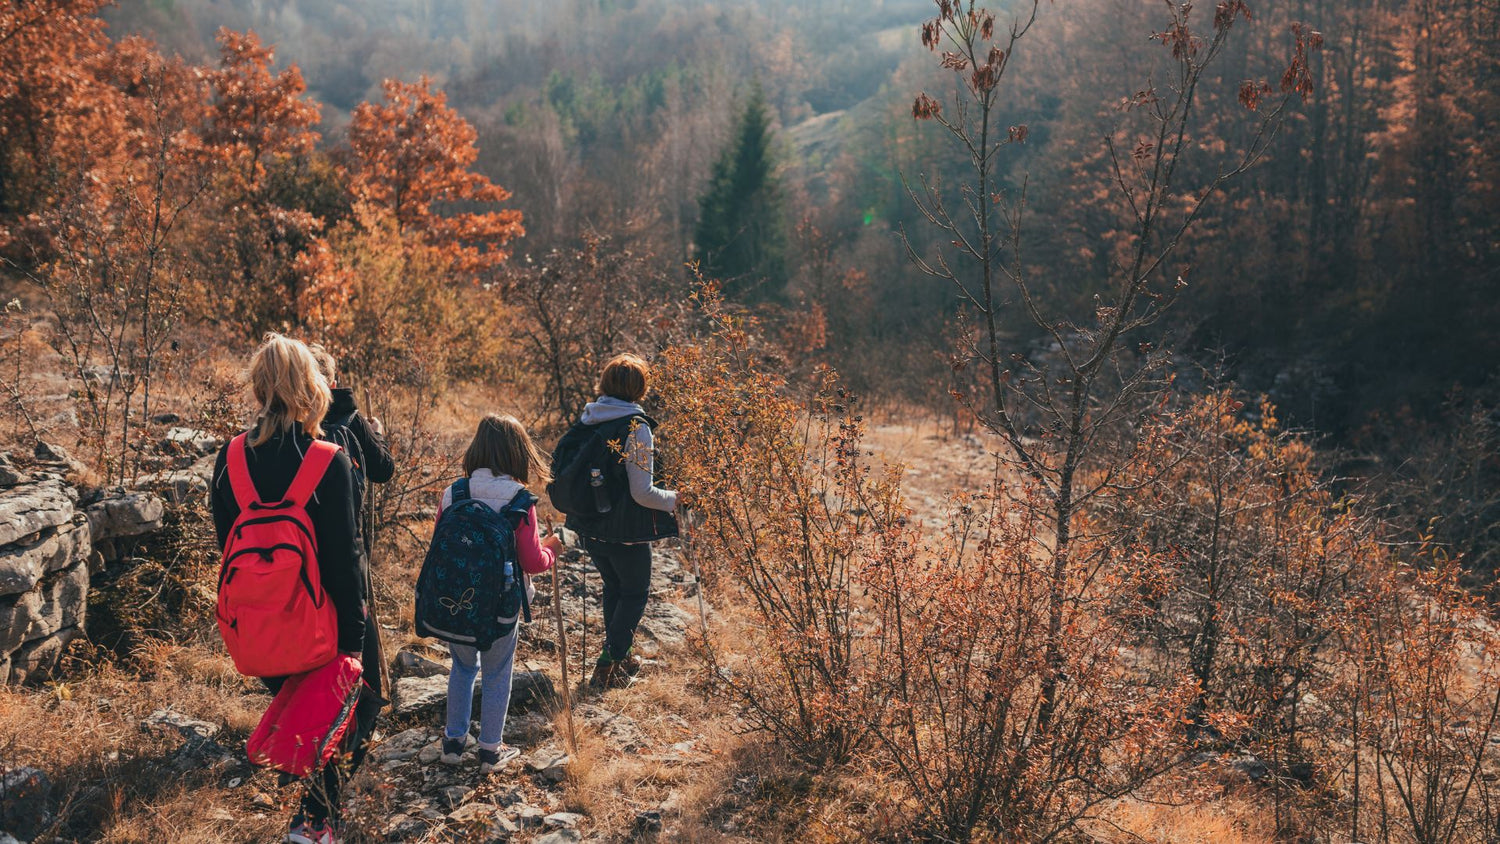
275,618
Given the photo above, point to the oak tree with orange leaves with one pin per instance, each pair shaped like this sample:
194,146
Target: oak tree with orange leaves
259,124
57,117
410,156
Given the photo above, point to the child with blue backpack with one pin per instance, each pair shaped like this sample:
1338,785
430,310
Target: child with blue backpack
462,595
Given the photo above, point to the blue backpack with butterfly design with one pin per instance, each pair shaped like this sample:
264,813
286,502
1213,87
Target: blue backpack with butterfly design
471,590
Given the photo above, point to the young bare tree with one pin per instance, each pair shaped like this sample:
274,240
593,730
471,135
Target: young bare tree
113,269
1065,417
578,307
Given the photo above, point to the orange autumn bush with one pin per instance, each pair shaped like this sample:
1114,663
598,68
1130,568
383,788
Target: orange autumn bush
783,508
920,647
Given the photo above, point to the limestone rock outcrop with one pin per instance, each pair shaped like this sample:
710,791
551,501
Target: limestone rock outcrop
44,575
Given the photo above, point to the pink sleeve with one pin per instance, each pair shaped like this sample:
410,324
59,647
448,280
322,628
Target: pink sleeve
533,557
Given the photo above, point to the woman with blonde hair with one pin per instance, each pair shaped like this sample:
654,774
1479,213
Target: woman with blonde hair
292,398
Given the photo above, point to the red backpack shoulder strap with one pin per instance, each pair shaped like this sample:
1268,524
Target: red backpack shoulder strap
310,474
239,474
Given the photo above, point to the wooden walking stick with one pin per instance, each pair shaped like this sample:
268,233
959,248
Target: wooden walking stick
562,648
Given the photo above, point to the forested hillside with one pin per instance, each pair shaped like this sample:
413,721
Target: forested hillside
1352,274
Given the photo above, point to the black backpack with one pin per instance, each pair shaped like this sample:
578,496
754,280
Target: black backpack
337,431
588,468
471,590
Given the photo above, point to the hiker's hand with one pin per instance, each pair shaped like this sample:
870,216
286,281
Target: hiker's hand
551,542
375,425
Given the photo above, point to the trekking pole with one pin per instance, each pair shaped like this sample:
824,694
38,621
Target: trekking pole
583,602
562,648
692,560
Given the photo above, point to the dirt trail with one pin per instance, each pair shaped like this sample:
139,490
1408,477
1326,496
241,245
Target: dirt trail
936,462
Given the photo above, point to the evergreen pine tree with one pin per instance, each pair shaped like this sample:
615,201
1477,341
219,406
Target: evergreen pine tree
741,236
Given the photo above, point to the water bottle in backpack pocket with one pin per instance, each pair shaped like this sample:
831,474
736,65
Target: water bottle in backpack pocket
471,590
588,468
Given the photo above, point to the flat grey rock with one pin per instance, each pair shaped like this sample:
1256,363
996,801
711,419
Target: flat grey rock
563,820
401,746
550,764
619,730
124,516
35,660
191,440
59,602
410,664
454,795
25,801
181,486
9,474
166,720
414,695
24,564
28,509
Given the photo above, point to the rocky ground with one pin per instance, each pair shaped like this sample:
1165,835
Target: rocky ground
406,794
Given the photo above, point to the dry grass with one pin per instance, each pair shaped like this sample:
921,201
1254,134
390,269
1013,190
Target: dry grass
116,782
1230,820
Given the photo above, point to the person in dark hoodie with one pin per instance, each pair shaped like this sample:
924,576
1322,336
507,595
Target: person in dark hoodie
363,439
620,543
293,399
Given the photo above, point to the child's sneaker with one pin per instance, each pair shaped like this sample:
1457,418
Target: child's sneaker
453,749
490,760
300,832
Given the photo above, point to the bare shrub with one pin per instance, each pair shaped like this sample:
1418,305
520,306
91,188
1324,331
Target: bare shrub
783,504
966,718
112,266
576,308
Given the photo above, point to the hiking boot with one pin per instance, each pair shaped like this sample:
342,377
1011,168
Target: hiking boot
603,676
490,760
630,665
453,749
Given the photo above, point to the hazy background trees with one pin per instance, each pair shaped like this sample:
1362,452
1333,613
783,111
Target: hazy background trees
1357,286
479,202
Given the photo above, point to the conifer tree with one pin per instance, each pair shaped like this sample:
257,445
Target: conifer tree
741,235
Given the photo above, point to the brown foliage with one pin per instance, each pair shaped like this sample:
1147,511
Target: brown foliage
783,508
966,717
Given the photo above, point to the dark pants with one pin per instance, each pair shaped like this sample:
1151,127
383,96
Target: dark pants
324,789
626,570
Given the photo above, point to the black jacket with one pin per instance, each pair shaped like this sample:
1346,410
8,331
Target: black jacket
374,457
347,427
272,465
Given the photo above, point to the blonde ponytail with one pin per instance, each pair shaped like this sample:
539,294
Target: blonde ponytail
288,386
